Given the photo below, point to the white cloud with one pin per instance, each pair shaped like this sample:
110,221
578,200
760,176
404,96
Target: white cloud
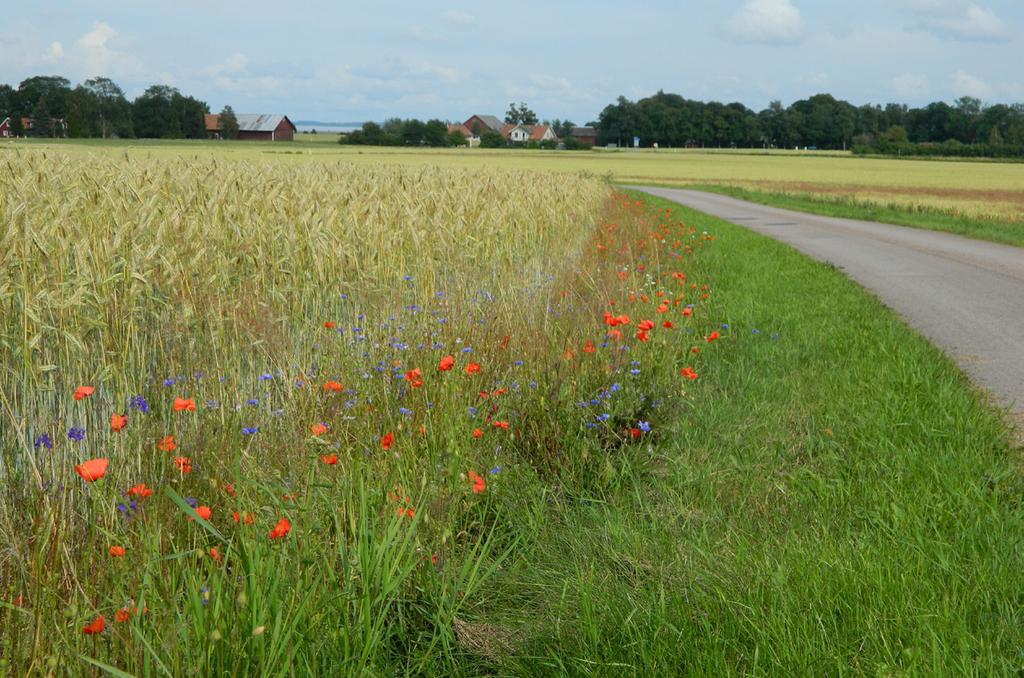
96,56
236,63
771,22
960,20
963,83
909,86
54,54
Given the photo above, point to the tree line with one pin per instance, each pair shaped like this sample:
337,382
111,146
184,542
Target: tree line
820,121
98,107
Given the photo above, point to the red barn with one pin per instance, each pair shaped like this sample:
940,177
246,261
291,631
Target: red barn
586,135
5,127
255,127
265,127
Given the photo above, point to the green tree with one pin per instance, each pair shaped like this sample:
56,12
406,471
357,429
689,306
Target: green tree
520,115
228,123
492,139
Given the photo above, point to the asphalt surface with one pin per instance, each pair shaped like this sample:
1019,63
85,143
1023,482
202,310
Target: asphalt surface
966,296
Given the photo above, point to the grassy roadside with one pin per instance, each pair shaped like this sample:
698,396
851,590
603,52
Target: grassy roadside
834,498
1006,232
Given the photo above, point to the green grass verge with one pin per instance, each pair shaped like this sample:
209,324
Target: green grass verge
1006,232
835,499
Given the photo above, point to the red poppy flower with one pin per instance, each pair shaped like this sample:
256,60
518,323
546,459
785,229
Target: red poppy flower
477,433
478,483
329,459
330,324
642,335
123,615
589,346
184,464
166,444
92,470
116,551
215,553
333,387
501,425
635,433
386,440
615,335
97,625
645,325
473,368
413,377
318,429
711,337
229,489
667,324
184,405
688,373
239,517
83,392
118,422
140,491
204,512
280,530
406,512
446,363
687,312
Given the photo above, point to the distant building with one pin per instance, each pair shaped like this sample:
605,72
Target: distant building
586,135
5,127
543,133
516,134
479,124
255,127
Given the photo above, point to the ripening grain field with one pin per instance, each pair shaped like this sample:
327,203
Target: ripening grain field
255,414
278,413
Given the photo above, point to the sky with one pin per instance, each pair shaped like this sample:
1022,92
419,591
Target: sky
348,61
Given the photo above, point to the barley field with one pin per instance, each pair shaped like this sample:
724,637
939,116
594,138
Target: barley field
972,190
258,413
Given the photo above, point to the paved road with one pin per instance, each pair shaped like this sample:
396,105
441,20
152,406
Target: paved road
966,296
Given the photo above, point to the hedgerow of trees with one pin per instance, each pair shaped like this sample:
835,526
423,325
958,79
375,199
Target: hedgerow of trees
966,127
98,107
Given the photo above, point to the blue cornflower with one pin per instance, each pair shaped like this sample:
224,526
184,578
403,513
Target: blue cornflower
615,388
467,349
533,384
266,376
755,331
250,430
139,403
495,471
517,363
43,440
204,593
252,401
595,401
644,426
591,424
407,277
343,295
406,411
192,501
603,417
76,434
634,371
169,382
725,326
471,410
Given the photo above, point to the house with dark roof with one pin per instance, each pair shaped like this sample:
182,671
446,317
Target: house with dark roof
255,127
